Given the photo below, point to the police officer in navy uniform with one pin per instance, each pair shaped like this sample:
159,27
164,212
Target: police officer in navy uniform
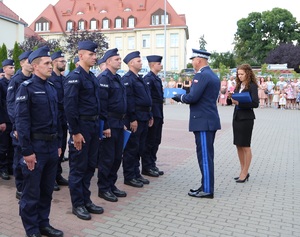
139,117
22,75
39,136
59,66
149,155
6,147
113,110
204,119
82,108
1,73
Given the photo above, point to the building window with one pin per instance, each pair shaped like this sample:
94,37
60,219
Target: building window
42,25
93,24
160,40
146,41
105,23
119,43
69,25
162,17
174,63
131,22
118,23
158,17
131,44
174,40
155,20
81,25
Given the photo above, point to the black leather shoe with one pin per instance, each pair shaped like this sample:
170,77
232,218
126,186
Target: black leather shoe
92,208
119,193
18,195
108,196
150,172
160,172
34,235
51,232
201,194
196,190
56,187
143,180
134,183
62,181
81,212
5,175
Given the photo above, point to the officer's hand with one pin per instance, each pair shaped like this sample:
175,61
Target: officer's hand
133,126
151,121
125,128
78,140
177,98
2,127
30,161
107,132
59,152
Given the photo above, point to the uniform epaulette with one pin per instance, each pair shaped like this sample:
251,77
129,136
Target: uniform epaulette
77,71
27,82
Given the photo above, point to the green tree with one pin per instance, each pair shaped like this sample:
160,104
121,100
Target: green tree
15,54
3,53
223,70
71,66
259,33
226,59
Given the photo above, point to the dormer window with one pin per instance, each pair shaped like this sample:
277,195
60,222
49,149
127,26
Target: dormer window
131,22
81,25
70,26
42,25
105,23
103,11
158,18
118,22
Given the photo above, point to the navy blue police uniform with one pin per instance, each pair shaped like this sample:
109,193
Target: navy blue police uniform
113,110
139,109
82,109
58,81
204,122
149,155
6,147
13,85
37,124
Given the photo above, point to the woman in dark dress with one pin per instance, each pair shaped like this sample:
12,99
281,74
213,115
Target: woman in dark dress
243,119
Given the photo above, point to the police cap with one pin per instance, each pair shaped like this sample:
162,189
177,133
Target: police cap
87,45
8,62
198,53
100,60
110,53
57,54
154,59
132,55
40,52
1,70
24,55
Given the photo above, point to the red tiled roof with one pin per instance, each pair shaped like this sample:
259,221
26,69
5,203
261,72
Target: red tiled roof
66,10
9,14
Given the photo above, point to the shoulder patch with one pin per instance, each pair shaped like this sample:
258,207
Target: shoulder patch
75,81
21,98
27,82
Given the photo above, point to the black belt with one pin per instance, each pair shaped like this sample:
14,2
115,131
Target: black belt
157,101
44,136
89,117
116,115
60,106
143,108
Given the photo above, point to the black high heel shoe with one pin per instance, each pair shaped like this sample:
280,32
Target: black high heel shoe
236,178
243,180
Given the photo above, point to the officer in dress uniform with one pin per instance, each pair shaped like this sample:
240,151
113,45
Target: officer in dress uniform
139,117
1,73
59,66
154,133
76,61
82,108
101,64
204,119
39,135
22,75
6,147
113,110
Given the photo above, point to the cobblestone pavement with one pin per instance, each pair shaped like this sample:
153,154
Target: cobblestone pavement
267,205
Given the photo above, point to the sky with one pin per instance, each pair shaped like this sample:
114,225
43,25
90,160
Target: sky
215,19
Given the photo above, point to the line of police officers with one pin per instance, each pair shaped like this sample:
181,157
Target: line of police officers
39,106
